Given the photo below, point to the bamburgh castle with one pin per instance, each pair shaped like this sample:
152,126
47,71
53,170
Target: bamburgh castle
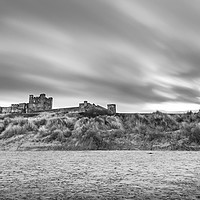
35,104
42,103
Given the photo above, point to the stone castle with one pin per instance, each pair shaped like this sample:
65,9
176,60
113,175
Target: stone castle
42,103
35,104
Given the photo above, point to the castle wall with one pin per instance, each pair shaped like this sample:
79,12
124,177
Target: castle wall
19,108
5,109
68,110
42,103
83,107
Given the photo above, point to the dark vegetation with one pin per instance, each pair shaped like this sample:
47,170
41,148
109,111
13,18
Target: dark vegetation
99,130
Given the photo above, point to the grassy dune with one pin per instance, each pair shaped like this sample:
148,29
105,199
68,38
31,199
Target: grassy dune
62,131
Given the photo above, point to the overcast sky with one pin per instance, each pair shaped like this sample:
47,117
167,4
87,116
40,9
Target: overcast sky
143,55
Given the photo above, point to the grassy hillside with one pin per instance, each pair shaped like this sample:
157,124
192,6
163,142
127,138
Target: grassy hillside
62,131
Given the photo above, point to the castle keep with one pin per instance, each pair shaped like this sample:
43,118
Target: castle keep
42,103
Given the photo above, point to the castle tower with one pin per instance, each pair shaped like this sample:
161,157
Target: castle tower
50,102
111,108
85,103
31,98
42,96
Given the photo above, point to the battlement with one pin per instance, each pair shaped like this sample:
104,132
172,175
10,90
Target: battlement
40,99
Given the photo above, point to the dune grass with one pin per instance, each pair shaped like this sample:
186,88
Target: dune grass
175,132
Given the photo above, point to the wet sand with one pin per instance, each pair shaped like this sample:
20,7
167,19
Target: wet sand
99,175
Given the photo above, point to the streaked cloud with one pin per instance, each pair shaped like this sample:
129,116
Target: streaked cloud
137,54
